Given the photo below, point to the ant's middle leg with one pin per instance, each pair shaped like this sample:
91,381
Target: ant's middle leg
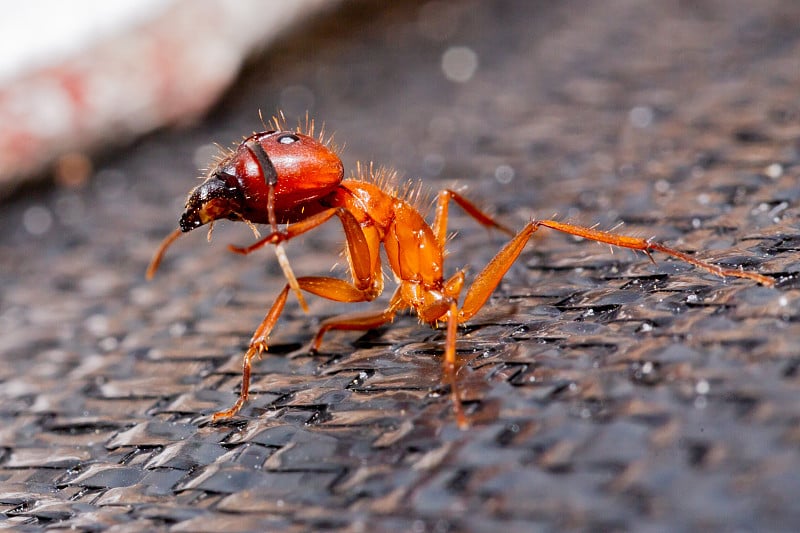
358,321
334,289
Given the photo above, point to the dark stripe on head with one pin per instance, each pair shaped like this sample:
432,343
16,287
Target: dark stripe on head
267,168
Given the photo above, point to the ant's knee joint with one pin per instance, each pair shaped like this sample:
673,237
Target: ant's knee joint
278,237
257,348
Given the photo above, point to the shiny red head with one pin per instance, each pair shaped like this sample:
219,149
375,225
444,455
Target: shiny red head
302,170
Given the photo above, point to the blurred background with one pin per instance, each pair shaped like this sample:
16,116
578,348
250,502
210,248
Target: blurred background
86,76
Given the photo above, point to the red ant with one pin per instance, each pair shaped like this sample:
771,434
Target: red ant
292,177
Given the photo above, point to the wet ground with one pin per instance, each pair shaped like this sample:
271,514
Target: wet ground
605,392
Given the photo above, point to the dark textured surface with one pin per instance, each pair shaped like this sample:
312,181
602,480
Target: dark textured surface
606,393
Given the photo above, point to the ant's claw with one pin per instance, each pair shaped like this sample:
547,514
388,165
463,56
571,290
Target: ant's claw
224,416
202,420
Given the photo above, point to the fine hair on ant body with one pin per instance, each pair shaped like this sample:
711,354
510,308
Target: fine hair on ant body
294,181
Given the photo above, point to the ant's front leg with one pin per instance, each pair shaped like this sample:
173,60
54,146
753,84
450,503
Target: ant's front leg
355,238
258,345
291,231
364,289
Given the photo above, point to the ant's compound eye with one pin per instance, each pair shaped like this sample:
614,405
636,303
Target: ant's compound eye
288,138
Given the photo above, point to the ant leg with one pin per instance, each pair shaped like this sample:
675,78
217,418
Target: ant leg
646,246
490,277
358,321
449,365
277,238
358,247
292,230
330,288
288,273
440,220
258,345
433,313
368,285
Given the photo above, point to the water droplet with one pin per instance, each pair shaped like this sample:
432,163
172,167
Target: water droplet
662,186
459,63
774,171
641,116
37,220
504,174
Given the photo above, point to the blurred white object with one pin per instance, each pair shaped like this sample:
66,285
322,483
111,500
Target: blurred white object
86,73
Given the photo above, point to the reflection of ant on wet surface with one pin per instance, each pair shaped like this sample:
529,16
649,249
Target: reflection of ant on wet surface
294,178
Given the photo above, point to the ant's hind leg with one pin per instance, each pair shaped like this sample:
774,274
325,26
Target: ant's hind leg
646,246
442,208
489,278
449,366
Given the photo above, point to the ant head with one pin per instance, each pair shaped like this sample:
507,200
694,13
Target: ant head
214,199
299,167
